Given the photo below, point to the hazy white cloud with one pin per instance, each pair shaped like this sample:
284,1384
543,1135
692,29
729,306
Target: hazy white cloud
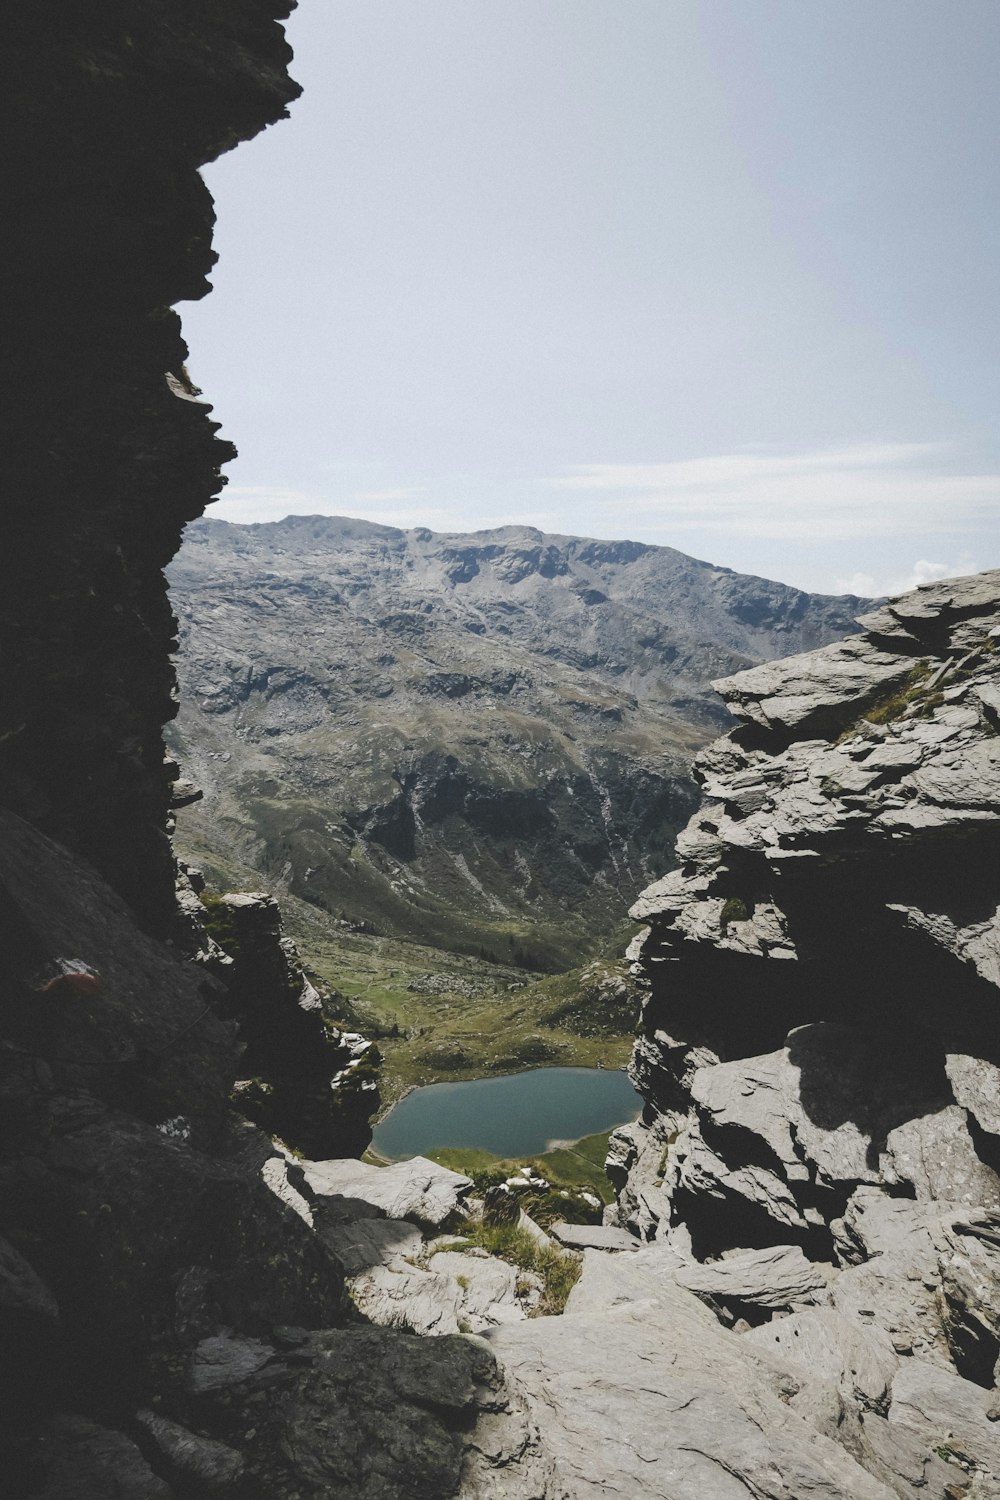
873,585
868,490
380,497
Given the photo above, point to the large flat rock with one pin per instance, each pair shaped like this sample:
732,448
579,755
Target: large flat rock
776,1277
417,1189
593,1237
655,1402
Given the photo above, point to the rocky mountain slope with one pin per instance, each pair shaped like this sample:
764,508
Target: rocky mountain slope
480,741
819,1048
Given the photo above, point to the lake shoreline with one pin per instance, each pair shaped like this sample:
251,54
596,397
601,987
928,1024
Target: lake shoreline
506,1115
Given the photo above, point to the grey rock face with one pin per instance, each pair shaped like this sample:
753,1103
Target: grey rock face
82,1461
463,730
650,1398
818,1048
384,1415
302,1077
416,1189
594,1237
194,1460
778,1277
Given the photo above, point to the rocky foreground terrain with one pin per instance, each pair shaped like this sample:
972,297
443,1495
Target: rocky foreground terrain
819,1049
479,742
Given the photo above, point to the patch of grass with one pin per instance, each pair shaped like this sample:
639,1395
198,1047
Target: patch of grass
559,1269
217,921
734,909
893,705
573,1167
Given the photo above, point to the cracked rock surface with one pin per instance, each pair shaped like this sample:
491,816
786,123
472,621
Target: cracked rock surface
818,1046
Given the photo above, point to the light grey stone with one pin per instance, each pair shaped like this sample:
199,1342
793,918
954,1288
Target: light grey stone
275,1175
835,1350
951,1416
417,1189
415,1298
935,1153
779,1276
800,692
652,1401
610,1282
488,1286
976,1086
593,1237
363,1243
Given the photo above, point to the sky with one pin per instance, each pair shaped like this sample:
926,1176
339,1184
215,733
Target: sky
719,275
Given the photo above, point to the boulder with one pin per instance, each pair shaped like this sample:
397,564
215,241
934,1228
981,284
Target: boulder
80,1460
651,1398
416,1298
206,1465
952,1417
935,1154
226,1359
378,1414
778,1277
593,1237
489,1288
368,1242
417,1189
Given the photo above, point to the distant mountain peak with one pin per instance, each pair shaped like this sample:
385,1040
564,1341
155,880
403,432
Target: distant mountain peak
479,739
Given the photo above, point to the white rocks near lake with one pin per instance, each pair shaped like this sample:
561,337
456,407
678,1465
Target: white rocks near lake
385,1226
416,1189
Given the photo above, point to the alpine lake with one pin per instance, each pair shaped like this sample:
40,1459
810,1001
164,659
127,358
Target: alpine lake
517,1114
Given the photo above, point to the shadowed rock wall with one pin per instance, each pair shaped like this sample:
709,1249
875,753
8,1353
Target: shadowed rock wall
106,452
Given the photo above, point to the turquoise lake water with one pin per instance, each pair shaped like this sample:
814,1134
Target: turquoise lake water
518,1114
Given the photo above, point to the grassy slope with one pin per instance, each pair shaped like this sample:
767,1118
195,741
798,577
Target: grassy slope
579,1165
456,1017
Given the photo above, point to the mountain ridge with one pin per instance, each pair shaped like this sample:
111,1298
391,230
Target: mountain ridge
477,739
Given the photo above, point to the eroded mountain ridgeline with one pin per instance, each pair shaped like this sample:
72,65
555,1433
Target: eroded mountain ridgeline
481,742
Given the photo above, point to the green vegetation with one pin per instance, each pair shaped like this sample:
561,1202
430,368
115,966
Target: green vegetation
558,1269
914,697
896,702
580,1165
441,1016
218,923
438,1014
734,909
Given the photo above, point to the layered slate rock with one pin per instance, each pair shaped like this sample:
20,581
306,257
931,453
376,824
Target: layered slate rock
107,449
818,1048
637,1390
415,1189
302,1077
